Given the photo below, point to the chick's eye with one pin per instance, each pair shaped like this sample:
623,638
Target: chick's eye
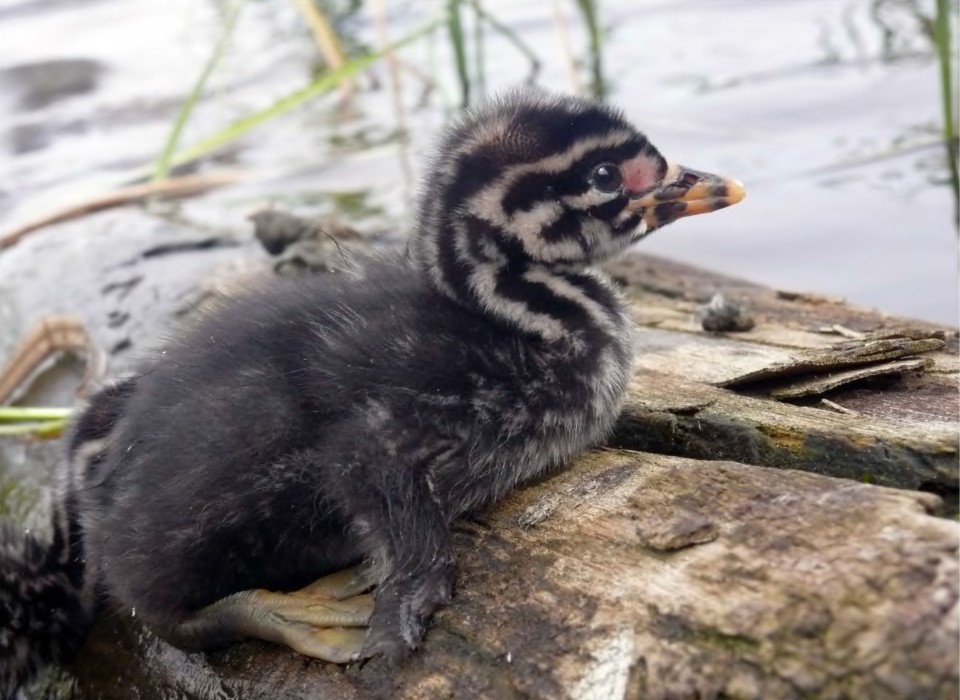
606,178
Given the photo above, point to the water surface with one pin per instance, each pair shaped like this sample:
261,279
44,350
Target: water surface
803,100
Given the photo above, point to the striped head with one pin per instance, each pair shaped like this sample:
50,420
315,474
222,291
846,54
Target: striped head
535,178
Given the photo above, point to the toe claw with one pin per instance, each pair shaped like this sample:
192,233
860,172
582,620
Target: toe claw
389,646
403,607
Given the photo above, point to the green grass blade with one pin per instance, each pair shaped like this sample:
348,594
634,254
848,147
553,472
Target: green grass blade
458,42
480,61
161,168
322,84
942,40
17,413
588,9
510,36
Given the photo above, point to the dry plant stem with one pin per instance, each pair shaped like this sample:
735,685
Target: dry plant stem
566,48
427,84
177,187
827,403
52,334
396,94
925,144
327,43
479,56
588,11
511,36
454,21
942,33
839,329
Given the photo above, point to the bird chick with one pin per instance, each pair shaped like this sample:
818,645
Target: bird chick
330,422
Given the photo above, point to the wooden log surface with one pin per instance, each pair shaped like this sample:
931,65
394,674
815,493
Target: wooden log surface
640,576
898,430
696,572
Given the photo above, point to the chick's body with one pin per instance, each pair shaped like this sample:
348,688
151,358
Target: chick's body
263,447
348,418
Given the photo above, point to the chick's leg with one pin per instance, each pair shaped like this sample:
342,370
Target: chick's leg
405,535
326,620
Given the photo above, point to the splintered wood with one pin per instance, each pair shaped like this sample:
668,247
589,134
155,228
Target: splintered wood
823,383
815,385
859,353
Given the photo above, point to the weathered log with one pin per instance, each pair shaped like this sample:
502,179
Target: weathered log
897,431
634,575
642,576
668,414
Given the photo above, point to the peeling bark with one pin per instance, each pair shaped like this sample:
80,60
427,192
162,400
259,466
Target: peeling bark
671,415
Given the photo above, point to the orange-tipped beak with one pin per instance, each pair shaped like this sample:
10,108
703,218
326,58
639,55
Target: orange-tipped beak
689,193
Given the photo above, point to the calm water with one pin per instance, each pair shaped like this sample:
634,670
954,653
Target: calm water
800,99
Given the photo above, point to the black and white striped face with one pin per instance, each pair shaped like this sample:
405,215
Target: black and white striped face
554,180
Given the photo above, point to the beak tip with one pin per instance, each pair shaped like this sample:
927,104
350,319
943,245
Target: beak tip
737,191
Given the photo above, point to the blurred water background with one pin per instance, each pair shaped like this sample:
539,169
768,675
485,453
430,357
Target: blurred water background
830,111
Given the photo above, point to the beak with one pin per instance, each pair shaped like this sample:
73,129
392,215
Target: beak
686,192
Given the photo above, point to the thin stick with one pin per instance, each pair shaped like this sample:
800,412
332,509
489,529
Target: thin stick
396,93
595,36
945,56
427,84
566,48
512,37
50,428
177,187
327,42
895,152
455,30
827,403
838,329
51,335
479,59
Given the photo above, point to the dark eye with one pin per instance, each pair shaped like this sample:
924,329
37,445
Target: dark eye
606,178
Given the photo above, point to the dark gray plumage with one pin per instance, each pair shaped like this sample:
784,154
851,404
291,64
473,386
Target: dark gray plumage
348,419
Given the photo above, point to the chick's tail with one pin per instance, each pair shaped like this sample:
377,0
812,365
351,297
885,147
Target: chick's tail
44,614
47,589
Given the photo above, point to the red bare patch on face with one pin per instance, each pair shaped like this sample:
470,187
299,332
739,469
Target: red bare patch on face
639,174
